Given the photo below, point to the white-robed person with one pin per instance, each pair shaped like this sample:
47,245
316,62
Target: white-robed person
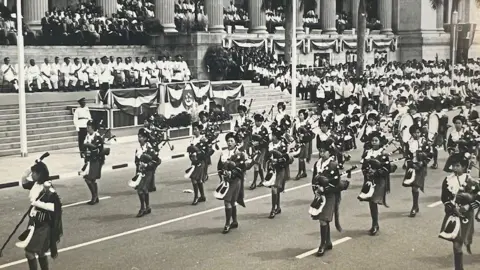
33,74
10,73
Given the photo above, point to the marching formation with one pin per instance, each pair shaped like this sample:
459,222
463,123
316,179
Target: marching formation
269,142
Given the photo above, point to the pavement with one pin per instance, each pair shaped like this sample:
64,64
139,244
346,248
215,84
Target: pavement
180,236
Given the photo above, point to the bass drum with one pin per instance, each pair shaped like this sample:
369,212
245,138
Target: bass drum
396,126
433,126
406,121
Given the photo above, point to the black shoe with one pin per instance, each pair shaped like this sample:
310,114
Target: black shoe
195,201
321,250
141,213
234,225
374,230
304,175
148,211
202,199
93,201
272,214
253,186
414,212
329,246
298,177
261,184
434,166
226,229
278,211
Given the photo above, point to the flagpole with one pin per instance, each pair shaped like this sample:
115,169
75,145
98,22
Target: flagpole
294,59
22,106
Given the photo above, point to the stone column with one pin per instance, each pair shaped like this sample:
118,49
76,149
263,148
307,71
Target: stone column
109,7
299,23
355,4
328,16
165,13
440,12
395,15
34,11
385,16
319,10
214,10
258,19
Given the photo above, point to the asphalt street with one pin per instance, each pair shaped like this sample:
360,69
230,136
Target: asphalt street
180,236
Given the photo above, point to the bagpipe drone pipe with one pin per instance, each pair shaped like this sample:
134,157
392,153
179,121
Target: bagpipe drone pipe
198,154
228,170
416,161
40,216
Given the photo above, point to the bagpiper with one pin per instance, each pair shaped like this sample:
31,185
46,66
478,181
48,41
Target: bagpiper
276,165
369,127
326,189
231,167
460,196
439,139
303,137
417,155
45,217
197,152
146,163
376,170
94,155
259,142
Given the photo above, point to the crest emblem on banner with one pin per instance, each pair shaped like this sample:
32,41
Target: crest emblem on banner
188,99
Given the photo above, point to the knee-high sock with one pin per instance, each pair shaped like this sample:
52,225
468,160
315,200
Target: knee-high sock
90,187
323,234
328,240
458,260
302,167
43,261
274,201
95,190
200,188
195,190
147,200
234,214
435,155
374,213
228,215
278,200
299,166
415,195
255,177
141,196
32,264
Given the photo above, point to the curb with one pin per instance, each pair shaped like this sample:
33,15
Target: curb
104,169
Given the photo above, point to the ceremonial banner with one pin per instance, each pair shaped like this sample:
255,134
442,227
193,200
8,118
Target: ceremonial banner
227,91
134,101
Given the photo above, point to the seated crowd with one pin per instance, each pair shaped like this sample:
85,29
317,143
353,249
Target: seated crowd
89,74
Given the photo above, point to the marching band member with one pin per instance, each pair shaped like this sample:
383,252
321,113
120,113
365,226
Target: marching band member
95,158
459,192
376,171
231,166
457,134
242,110
281,107
324,134
277,160
45,215
325,182
470,113
260,146
439,139
203,117
417,158
311,121
326,113
146,161
370,128
303,138
198,150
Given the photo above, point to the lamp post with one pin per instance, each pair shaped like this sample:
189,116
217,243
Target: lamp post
294,59
22,106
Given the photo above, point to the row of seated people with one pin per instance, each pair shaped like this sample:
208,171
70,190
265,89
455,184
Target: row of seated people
88,74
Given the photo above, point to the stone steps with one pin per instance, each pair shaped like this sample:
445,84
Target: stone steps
36,109
36,131
38,120
37,125
42,148
37,137
42,142
35,115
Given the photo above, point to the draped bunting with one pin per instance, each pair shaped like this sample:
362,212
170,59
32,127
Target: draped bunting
249,43
351,44
280,45
323,44
382,43
227,91
202,91
134,101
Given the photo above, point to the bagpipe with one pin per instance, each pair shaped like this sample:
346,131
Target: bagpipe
98,148
27,235
157,127
276,160
372,165
148,160
197,154
321,185
468,199
232,168
415,160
